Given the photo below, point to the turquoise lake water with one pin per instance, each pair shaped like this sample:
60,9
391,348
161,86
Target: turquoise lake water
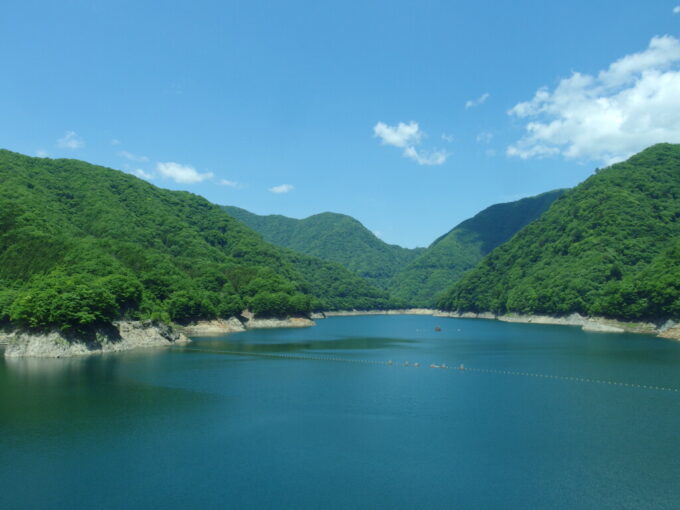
221,424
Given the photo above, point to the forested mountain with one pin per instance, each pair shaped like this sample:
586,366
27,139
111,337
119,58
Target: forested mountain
82,244
610,247
448,257
335,237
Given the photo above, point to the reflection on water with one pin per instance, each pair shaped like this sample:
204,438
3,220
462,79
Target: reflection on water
44,371
92,390
235,344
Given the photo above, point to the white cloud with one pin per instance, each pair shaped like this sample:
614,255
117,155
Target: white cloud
632,104
485,137
133,157
403,135
477,102
676,10
70,140
42,153
115,141
407,137
282,188
377,234
231,184
448,138
183,174
142,174
426,158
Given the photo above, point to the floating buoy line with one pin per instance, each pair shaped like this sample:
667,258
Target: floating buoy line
460,368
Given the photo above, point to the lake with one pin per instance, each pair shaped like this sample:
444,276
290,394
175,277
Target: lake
540,417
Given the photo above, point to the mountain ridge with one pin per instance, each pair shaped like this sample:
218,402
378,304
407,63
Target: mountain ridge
610,247
82,244
450,255
331,236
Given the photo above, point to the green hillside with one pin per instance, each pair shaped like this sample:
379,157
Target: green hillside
610,246
82,244
333,237
448,257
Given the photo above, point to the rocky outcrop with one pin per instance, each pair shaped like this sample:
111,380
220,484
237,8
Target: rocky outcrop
253,322
464,315
6,336
248,320
120,336
592,324
290,322
601,328
671,331
214,327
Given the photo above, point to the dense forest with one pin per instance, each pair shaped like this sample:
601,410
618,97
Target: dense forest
609,247
334,237
422,281
412,277
82,244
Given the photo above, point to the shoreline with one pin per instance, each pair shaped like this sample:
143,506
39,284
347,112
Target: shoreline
217,327
117,337
128,335
396,311
669,330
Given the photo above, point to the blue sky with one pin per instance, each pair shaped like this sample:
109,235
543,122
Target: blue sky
409,116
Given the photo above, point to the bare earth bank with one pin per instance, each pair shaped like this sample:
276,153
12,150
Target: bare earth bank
121,336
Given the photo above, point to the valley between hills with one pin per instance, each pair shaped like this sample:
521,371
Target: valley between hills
84,249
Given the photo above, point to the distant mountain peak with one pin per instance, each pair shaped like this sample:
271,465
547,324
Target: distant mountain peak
332,236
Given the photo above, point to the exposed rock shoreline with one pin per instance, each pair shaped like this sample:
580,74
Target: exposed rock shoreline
670,329
292,322
595,324
127,335
213,327
120,336
248,321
